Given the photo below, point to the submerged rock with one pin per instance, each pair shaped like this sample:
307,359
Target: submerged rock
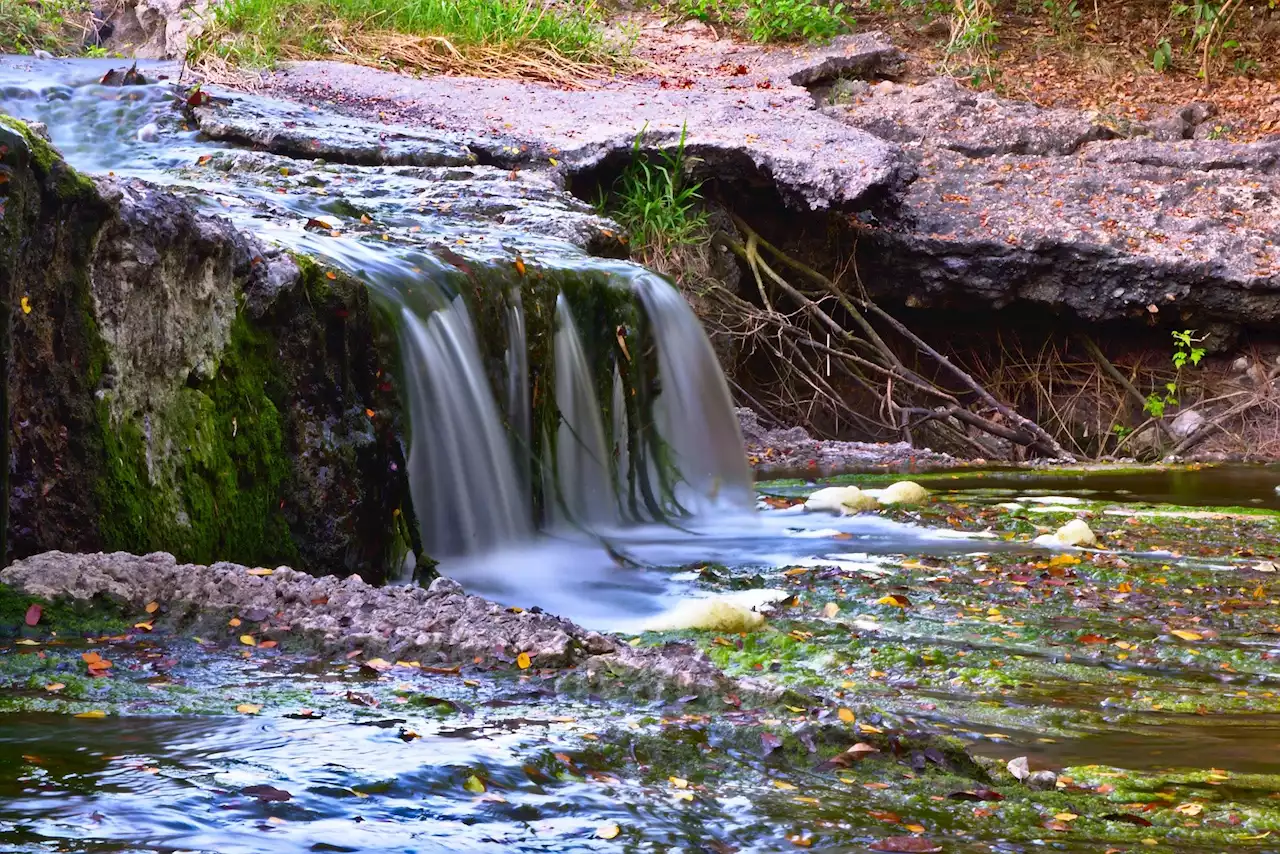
1075,533
904,492
731,612
845,500
440,625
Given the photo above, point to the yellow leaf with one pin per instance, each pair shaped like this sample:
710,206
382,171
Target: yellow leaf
146,627
608,831
875,730
378,664
474,784
897,600
26,304
27,642
1066,816
248,640
96,713
914,828
784,786
1189,809
54,686
234,622
846,715
248,708
830,610
684,796
678,782
152,607
522,661
1185,635
261,570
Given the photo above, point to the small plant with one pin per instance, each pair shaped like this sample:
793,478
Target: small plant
710,11
1062,15
794,20
1162,56
973,30
654,200
1219,131
1185,350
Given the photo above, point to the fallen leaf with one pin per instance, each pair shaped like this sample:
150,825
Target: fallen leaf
1186,635
96,713
608,831
33,615
846,715
522,661
1127,818
1018,768
474,784
248,640
267,793
248,708
830,610
976,795
54,687
769,742
152,607
259,570
1066,816
26,304
914,844
1189,809
896,600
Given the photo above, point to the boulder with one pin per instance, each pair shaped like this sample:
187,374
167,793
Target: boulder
904,492
1075,533
844,500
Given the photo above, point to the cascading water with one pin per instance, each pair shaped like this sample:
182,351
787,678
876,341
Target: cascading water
546,390
584,483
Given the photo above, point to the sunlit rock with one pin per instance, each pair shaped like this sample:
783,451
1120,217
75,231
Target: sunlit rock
734,612
904,492
845,500
1075,533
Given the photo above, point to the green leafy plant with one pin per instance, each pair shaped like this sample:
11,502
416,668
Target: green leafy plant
1186,350
794,20
1063,16
54,25
1162,56
654,200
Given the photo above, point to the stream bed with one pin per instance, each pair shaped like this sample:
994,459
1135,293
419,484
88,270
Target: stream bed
1142,675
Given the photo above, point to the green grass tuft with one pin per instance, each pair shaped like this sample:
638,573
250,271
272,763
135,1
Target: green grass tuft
656,203
53,25
262,32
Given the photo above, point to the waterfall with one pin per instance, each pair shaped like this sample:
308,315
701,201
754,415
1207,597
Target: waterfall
584,483
462,475
546,390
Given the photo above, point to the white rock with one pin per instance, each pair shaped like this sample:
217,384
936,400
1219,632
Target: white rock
1187,422
904,492
845,500
149,132
1074,533
1011,506
731,612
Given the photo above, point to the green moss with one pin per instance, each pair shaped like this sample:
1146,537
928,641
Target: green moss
207,484
64,618
68,184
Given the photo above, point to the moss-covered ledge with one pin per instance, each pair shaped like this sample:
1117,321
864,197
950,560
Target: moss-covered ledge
175,385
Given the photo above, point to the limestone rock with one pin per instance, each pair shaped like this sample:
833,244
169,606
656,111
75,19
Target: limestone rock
337,615
732,612
904,492
157,29
845,500
1075,533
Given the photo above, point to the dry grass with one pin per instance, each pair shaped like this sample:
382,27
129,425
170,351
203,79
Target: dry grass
517,39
